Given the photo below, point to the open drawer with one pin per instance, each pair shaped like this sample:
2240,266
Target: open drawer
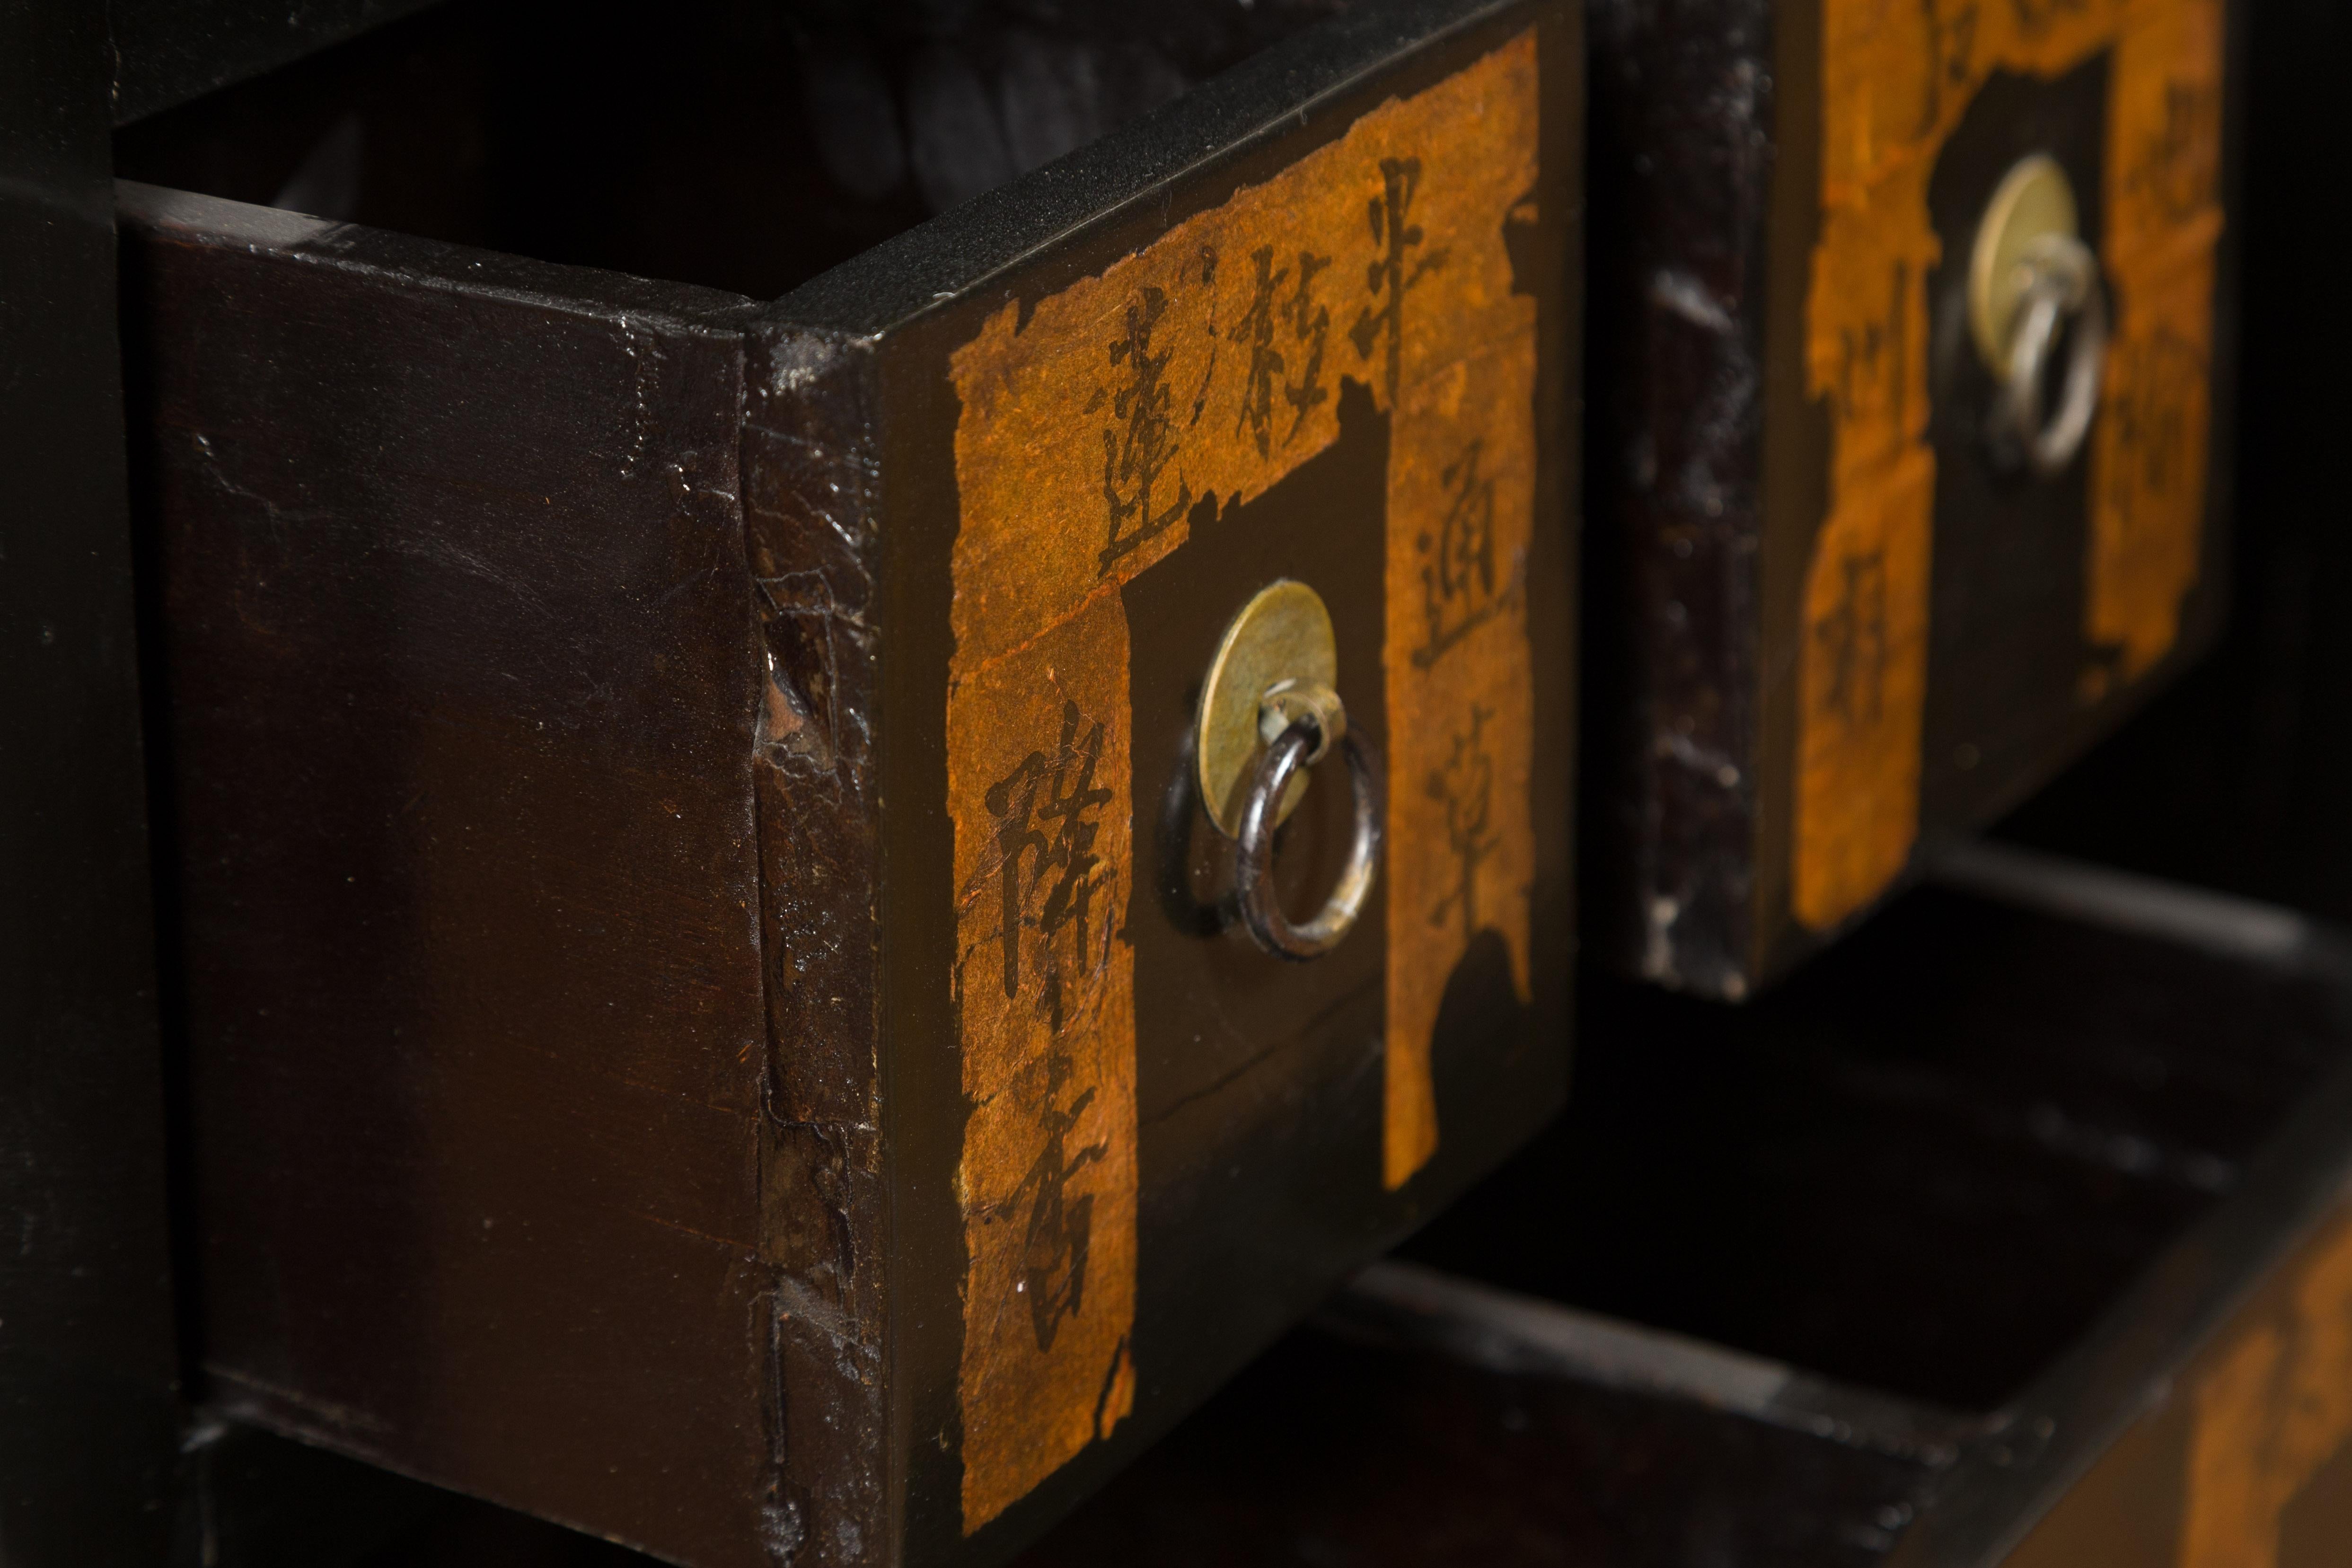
1914,478
2017,1231
713,1008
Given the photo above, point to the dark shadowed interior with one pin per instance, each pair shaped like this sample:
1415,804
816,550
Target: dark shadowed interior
740,145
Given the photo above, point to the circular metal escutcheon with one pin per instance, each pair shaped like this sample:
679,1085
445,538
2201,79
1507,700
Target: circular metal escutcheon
2034,201
1283,635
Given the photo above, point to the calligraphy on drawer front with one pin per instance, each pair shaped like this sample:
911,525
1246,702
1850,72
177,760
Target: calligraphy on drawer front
1896,77
1200,370
1038,768
2273,1409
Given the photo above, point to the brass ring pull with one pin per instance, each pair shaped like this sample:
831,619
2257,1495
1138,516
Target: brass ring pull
2057,280
1306,720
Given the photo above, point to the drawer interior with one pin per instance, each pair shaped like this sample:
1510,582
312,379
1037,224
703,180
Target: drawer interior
739,144
1910,1198
1928,1164
1892,1195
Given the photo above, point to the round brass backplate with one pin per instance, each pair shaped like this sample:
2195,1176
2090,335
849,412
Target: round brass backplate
2034,200
1282,634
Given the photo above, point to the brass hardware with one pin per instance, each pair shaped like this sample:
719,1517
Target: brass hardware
2029,274
1289,701
1269,713
1282,637
2035,199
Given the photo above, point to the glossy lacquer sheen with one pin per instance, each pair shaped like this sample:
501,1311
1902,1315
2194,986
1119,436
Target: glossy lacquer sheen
717,1013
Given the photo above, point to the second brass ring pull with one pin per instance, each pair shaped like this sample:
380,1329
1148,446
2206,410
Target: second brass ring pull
2061,280
1308,716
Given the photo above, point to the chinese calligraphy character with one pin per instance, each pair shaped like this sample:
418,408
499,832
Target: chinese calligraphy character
2155,388
2174,167
1952,50
1853,639
1046,794
1457,571
1464,785
1387,276
1257,328
1054,1250
1309,325
1140,440
1872,365
1208,262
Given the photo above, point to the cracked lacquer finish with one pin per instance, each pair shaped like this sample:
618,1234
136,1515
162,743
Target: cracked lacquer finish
462,695
808,518
711,1016
1682,106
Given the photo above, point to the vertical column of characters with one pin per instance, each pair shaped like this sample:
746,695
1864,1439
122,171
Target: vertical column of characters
2163,222
1070,481
1090,431
1450,346
1862,663
1200,371
1037,739
1896,81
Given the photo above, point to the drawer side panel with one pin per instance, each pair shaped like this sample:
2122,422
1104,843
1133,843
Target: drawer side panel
458,693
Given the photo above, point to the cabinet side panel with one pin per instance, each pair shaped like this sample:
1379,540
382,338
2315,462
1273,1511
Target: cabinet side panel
461,692
1680,174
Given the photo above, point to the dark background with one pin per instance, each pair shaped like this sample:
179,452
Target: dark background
2235,779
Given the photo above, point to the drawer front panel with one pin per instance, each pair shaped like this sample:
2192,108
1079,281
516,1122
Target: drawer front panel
1106,431
2127,95
1855,593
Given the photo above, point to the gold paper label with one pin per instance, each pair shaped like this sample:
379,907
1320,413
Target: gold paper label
1208,364
2273,1409
1896,78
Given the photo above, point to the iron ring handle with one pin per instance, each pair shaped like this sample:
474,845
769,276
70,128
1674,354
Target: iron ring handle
1300,740
2063,282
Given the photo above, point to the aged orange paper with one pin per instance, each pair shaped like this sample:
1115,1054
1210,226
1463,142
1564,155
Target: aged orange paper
1896,77
1208,364
1045,994
2275,1408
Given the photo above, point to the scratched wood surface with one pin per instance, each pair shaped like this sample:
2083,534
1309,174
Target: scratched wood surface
458,689
1836,632
633,920
2090,1306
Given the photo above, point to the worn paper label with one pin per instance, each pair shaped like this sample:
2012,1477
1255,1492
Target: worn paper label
1207,364
2273,1410
1896,77
1460,840
1045,994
